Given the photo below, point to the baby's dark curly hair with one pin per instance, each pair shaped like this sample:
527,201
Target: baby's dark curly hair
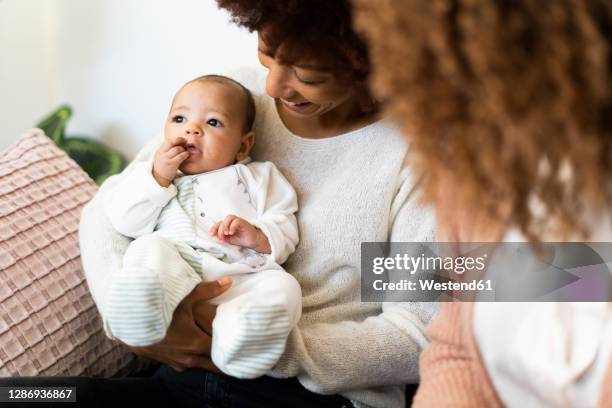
320,30
509,102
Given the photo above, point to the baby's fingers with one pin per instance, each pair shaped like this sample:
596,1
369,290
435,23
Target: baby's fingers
178,141
174,151
171,142
179,158
220,233
217,230
235,224
214,228
166,145
225,225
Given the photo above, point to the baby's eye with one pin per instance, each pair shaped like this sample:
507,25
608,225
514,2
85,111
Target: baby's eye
214,122
178,119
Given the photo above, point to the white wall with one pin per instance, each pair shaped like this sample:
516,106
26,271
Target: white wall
116,62
26,86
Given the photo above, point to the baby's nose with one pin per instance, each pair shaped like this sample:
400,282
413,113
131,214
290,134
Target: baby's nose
193,131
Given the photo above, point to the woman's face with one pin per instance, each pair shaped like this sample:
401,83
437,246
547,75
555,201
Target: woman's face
305,89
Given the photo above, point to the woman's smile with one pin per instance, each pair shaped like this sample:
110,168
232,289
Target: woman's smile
298,107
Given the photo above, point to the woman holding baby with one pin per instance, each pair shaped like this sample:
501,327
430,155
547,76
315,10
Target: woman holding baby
320,125
497,99
505,104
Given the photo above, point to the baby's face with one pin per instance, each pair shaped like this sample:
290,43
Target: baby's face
207,119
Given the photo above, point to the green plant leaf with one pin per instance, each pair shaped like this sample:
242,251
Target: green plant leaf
98,161
54,125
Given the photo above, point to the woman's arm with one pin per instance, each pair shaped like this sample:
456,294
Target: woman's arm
344,356
452,374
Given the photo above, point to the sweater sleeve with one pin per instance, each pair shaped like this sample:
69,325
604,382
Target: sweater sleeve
134,203
277,204
102,247
452,374
345,356
381,350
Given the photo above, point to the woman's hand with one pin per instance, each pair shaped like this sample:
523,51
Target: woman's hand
188,339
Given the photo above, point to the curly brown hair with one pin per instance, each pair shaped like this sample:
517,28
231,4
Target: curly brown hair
509,102
320,30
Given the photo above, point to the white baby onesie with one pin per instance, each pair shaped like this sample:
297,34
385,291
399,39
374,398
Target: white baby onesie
173,252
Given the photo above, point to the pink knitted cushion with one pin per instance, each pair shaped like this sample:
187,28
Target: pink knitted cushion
49,324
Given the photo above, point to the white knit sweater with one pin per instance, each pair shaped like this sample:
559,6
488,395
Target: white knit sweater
351,188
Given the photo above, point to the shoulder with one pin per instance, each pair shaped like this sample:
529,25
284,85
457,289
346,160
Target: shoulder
385,145
261,172
388,134
380,139
258,169
252,77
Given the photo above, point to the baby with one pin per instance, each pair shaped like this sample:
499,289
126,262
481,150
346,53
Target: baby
202,210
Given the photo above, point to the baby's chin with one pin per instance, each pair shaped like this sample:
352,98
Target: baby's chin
193,168
201,166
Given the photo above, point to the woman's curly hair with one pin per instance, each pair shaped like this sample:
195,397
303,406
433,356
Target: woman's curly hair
321,30
508,102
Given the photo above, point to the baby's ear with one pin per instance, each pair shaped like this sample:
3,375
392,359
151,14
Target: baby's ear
245,146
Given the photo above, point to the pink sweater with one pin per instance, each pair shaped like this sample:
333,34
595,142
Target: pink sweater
452,371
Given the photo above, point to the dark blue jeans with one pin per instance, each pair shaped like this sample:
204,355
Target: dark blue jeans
192,388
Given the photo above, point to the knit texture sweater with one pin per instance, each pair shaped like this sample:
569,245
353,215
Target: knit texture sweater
351,188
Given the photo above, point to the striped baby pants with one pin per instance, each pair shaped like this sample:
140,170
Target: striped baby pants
254,316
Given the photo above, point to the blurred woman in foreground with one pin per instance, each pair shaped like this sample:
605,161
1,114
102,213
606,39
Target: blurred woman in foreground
508,110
